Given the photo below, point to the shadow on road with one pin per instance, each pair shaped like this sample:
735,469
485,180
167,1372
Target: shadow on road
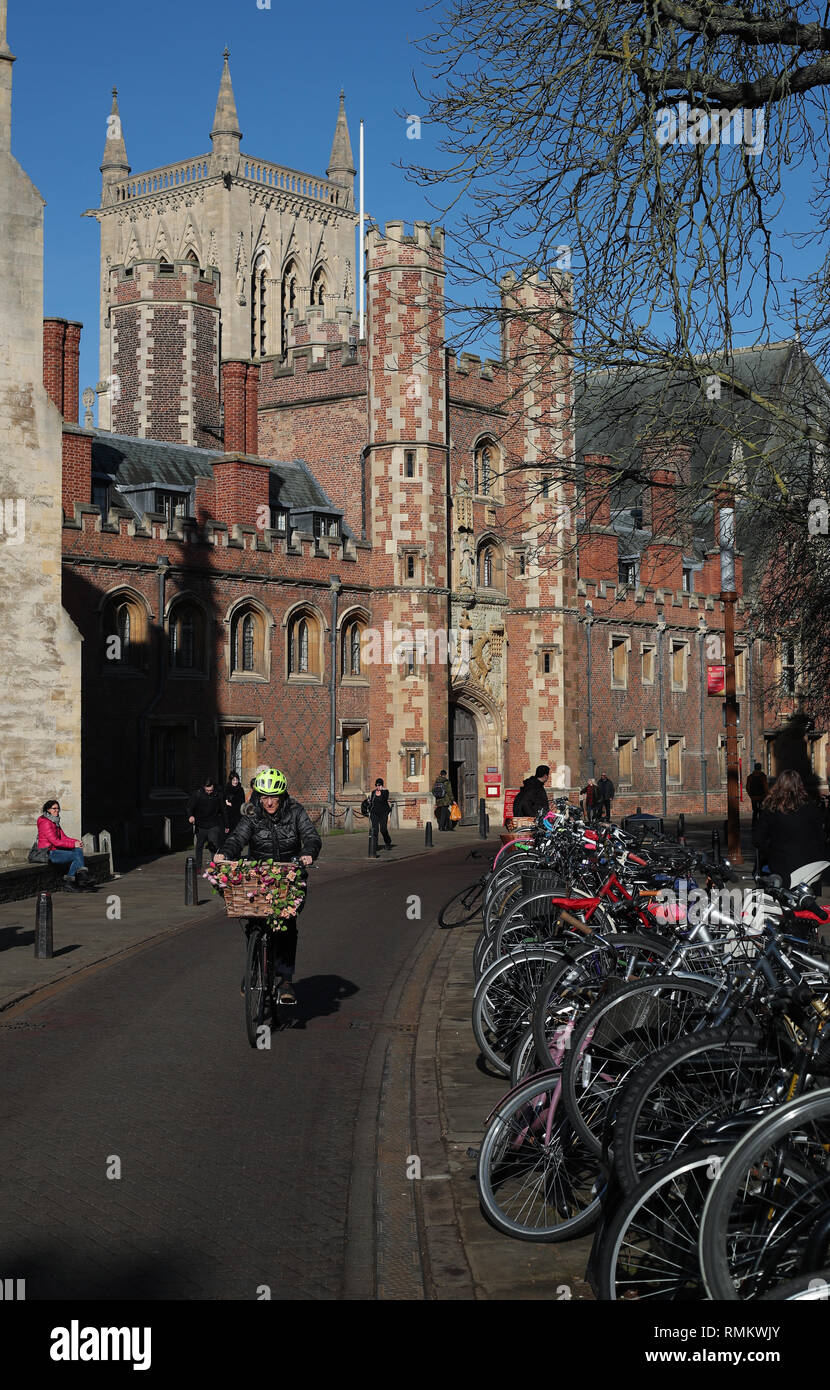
55,1273
319,996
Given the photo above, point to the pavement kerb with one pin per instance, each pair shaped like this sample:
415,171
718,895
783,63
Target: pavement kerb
449,1272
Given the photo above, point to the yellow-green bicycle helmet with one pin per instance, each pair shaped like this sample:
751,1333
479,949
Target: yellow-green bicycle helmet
271,782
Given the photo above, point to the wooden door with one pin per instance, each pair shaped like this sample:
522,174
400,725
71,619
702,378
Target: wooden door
465,760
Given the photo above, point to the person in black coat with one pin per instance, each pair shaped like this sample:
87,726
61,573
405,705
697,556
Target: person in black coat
790,829
605,795
206,814
532,797
379,809
281,829
234,799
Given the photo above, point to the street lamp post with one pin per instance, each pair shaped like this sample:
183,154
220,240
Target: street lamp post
729,597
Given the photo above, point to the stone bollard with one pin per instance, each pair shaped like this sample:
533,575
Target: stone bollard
43,926
348,820
190,881
105,844
428,834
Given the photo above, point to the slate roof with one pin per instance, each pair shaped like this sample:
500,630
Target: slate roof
133,463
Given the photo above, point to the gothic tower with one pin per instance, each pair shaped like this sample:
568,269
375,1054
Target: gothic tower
209,259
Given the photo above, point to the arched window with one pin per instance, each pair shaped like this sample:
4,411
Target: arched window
248,649
490,567
260,308
351,658
319,286
485,468
124,633
304,647
289,297
187,647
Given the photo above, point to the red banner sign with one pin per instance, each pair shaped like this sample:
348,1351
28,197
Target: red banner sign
715,680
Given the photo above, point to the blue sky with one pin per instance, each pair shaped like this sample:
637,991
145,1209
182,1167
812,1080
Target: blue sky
287,66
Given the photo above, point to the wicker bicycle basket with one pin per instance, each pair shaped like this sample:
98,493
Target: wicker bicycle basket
244,899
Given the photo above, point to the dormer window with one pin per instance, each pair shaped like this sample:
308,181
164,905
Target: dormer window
279,520
327,526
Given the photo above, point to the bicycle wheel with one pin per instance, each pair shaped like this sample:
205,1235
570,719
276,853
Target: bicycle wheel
687,1086
649,1251
581,976
256,991
535,1180
463,907
502,900
618,1033
770,1200
523,1058
503,1002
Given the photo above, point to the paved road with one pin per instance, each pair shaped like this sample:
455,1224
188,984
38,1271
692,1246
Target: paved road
240,1169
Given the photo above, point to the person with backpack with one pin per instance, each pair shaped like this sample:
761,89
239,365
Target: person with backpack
379,809
532,797
757,788
206,814
442,791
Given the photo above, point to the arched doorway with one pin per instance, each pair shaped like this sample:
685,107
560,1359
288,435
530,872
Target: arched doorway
464,762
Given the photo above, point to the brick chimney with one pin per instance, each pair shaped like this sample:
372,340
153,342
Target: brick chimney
240,392
241,491
598,547
61,353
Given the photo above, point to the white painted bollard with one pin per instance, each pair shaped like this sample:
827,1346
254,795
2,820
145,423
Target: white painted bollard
105,844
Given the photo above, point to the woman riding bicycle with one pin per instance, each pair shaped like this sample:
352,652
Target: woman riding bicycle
279,829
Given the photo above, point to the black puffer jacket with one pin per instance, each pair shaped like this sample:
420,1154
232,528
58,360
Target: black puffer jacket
531,799
287,833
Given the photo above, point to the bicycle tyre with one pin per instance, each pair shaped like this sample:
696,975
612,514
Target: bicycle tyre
658,1216
793,1117
462,907
523,1058
503,1001
805,1288
577,974
618,1033
256,988
691,1082
558,1171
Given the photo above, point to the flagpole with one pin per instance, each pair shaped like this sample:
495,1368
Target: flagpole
360,248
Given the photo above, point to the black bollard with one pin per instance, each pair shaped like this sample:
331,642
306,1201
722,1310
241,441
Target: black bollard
428,834
681,829
43,927
756,870
190,881
716,846
373,838
482,819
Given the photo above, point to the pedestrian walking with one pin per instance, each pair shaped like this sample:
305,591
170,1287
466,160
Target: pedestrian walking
206,815
59,849
233,798
531,797
605,795
379,809
442,791
589,791
757,788
790,829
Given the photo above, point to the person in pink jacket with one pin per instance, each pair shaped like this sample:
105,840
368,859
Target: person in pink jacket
62,850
